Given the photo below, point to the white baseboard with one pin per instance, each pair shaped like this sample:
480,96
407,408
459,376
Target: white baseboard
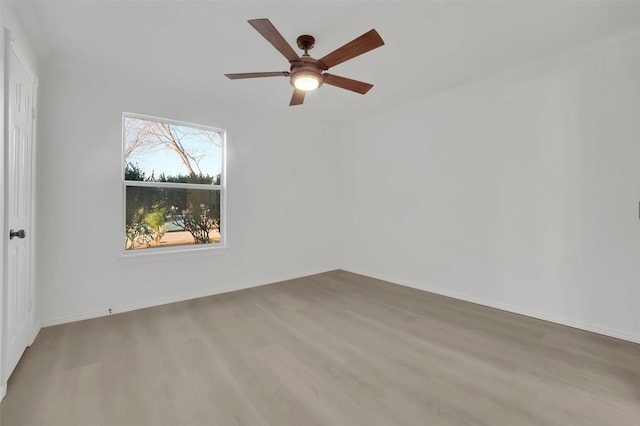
35,329
3,391
79,316
594,328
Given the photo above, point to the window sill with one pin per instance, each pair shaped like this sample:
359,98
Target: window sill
161,255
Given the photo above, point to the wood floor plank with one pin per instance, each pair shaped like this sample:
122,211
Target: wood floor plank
330,349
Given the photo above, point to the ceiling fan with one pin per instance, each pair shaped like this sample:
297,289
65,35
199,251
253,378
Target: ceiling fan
306,72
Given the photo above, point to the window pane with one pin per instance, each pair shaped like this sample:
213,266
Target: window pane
165,152
161,217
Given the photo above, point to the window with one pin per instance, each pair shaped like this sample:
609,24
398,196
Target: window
173,184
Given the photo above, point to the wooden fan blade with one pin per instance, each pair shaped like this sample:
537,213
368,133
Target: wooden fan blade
268,31
366,42
297,98
347,83
258,74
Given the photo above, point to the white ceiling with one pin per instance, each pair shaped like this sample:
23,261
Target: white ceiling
430,45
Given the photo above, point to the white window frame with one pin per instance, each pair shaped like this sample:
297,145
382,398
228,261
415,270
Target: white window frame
222,188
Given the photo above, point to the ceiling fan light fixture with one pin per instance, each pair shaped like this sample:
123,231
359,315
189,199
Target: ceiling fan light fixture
306,79
306,82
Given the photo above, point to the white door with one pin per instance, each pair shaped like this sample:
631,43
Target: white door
18,294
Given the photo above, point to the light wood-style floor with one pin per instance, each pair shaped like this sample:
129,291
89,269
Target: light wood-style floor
330,349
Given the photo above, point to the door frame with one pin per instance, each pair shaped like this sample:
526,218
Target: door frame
3,232
7,47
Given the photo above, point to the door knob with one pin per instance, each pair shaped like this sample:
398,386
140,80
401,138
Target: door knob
19,234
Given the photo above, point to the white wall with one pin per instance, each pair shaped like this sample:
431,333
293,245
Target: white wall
519,192
281,180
